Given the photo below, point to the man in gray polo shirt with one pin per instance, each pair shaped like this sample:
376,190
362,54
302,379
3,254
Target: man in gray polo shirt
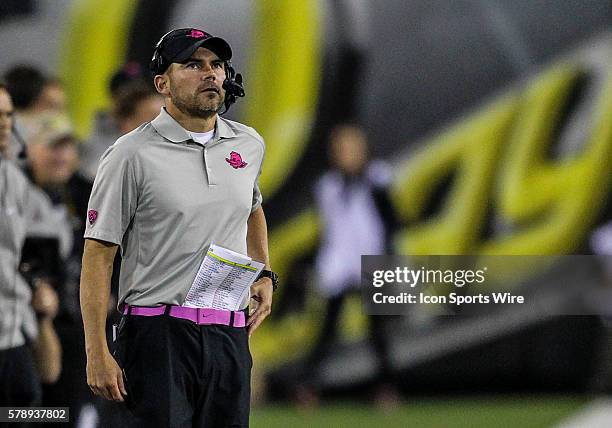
163,193
26,313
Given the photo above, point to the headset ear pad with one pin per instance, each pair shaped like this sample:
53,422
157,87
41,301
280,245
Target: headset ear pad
229,78
154,64
238,84
232,85
157,63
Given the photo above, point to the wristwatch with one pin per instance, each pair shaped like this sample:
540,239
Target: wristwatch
269,274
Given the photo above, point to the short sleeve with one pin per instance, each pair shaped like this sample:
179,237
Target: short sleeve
257,196
114,196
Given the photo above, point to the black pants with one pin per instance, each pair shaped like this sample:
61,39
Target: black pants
71,388
19,381
179,374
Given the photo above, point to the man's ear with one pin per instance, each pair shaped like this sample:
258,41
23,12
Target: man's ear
162,84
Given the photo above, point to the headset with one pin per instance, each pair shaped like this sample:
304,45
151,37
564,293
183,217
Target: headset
157,62
232,84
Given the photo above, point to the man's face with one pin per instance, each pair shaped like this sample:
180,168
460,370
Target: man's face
53,164
196,87
6,119
348,149
51,99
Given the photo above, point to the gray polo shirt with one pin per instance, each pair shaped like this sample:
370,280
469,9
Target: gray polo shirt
164,198
18,207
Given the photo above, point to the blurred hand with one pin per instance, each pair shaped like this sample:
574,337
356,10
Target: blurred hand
44,299
261,292
104,377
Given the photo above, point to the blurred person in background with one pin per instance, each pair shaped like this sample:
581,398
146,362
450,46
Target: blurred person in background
30,351
137,103
47,347
52,150
25,84
33,92
357,218
134,101
6,122
52,98
130,73
53,159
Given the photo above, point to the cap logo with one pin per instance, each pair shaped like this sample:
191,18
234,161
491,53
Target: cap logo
92,215
235,160
197,34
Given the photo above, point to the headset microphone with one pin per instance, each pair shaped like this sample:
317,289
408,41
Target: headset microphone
232,85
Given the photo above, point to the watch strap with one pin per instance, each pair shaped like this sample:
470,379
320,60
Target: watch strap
270,274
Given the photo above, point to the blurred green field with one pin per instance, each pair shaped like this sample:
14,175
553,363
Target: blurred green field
522,411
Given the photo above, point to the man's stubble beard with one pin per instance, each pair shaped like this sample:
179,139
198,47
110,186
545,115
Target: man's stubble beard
193,107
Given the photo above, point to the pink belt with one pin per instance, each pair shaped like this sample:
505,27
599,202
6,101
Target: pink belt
200,316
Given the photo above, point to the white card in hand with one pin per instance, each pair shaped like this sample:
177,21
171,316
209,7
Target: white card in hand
223,280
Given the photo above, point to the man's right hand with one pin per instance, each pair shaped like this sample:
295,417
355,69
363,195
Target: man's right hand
104,377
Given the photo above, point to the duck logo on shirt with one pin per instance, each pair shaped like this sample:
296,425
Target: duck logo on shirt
235,160
92,215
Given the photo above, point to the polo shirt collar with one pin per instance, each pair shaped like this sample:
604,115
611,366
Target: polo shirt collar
222,129
171,130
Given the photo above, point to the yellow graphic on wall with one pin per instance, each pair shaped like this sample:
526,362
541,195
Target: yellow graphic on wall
500,161
93,48
284,83
499,164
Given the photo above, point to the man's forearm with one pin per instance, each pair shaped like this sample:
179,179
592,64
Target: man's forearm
257,237
95,290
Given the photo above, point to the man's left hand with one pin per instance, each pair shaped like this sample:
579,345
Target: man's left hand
261,292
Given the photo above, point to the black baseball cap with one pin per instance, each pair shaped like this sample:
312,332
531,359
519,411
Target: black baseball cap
179,45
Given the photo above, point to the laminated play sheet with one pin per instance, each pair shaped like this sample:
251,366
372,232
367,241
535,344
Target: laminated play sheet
223,280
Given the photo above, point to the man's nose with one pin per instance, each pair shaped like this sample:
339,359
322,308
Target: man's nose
208,73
